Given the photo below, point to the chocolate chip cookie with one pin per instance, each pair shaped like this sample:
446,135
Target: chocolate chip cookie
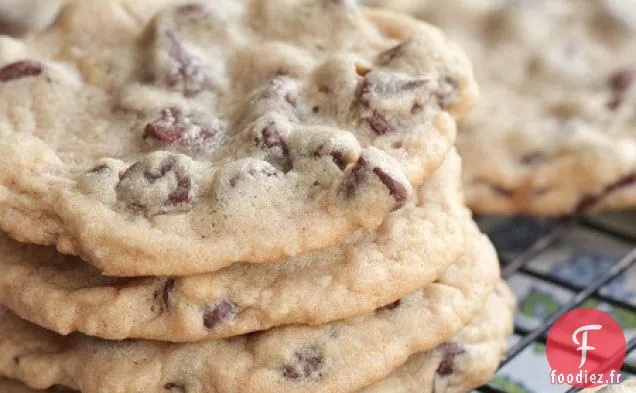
237,131
554,132
458,365
411,249
340,356
467,361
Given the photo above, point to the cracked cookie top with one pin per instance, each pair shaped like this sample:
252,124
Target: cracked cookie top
235,131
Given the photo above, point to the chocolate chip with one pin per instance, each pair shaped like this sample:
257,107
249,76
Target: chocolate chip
622,80
390,54
305,366
382,86
273,139
185,72
362,92
378,87
219,313
99,169
533,158
167,288
167,128
175,387
619,83
339,159
355,179
449,352
396,189
20,69
291,99
336,155
379,124
185,132
614,103
281,71
181,194
159,184
358,175
278,150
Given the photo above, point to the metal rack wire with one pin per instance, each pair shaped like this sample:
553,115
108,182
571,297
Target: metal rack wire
530,246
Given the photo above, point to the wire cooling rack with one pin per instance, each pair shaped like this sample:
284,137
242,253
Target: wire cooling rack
520,241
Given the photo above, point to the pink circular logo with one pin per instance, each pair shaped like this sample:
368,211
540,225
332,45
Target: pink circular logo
585,348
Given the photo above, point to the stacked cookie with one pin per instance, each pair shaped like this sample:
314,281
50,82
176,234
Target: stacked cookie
244,196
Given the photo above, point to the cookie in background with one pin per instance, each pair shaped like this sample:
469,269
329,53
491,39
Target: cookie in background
554,132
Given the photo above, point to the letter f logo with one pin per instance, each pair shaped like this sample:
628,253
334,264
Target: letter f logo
583,346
